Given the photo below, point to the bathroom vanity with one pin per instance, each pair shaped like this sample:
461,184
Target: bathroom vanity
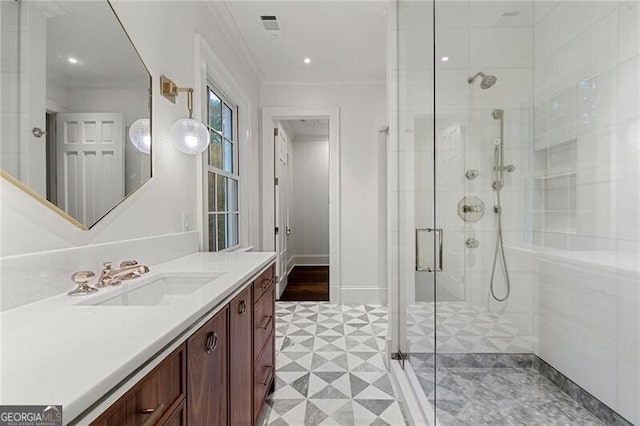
197,353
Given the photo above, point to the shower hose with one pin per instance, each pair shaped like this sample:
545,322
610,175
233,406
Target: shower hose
499,251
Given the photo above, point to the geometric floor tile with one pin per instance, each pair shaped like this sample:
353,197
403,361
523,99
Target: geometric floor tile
330,367
462,327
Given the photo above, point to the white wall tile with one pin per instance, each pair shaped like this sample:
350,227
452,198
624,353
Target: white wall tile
629,30
629,89
584,56
565,22
501,47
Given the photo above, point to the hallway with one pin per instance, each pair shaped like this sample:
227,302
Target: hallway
307,284
330,367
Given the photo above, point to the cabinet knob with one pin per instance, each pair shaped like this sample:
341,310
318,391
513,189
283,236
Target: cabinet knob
212,341
242,308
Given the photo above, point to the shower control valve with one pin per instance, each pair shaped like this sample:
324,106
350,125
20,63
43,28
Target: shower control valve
471,174
471,208
472,243
477,208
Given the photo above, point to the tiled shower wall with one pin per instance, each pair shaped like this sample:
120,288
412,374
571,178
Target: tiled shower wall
586,186
469,34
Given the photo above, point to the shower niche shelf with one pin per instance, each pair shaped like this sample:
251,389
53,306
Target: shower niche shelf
555,182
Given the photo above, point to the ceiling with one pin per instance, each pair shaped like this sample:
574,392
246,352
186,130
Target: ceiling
90,32
306,128
345,40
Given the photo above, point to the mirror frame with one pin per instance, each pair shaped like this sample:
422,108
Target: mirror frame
46,203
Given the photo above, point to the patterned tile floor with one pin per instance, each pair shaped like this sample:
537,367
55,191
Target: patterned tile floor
463,328
330,367
505,395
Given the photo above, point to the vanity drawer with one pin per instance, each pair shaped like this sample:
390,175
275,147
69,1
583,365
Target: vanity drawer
262,283
153,398
263,376
263,320
178,417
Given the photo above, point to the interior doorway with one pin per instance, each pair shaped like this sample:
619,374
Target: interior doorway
301,151
300,220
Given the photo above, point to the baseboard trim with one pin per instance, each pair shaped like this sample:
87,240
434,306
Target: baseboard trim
308,260
363,295
591,403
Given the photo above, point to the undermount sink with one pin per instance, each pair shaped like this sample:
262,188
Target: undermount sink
162,290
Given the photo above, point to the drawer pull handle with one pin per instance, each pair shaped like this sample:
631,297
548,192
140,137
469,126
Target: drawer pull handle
242,308
155,414
264,382
267,322
267,282
212,341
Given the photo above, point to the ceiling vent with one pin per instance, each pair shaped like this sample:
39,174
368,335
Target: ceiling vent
270,24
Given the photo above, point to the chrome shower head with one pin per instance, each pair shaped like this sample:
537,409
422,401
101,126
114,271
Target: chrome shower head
486,82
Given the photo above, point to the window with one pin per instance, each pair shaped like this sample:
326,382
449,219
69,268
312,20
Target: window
222,172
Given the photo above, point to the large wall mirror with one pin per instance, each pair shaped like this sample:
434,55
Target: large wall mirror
76,107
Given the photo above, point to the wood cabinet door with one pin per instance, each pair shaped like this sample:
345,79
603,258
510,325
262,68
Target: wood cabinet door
241,360
207,373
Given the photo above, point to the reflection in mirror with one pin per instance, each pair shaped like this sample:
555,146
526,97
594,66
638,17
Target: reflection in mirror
76,107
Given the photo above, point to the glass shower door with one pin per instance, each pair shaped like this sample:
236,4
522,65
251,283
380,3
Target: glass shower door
518,200
465,94
418,239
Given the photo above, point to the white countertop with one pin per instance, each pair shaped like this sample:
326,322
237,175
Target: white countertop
58,351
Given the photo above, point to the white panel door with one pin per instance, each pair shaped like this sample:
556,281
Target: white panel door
90,164
282,204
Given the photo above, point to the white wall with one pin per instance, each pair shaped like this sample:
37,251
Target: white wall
309,241
362,113
156,209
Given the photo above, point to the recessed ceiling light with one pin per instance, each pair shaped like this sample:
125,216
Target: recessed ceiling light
72,60
445,58
307,60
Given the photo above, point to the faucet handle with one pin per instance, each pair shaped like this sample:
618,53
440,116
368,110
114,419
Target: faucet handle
107,265
126,263
82,279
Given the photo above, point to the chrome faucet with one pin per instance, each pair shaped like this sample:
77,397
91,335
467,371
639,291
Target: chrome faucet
129,269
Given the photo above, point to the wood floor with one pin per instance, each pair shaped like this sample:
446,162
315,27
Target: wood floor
307,284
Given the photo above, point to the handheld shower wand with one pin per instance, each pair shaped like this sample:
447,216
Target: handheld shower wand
498,183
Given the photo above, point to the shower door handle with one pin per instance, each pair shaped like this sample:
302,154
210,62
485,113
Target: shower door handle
440,236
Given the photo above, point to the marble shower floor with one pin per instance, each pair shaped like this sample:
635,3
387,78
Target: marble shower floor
505,395
330,367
